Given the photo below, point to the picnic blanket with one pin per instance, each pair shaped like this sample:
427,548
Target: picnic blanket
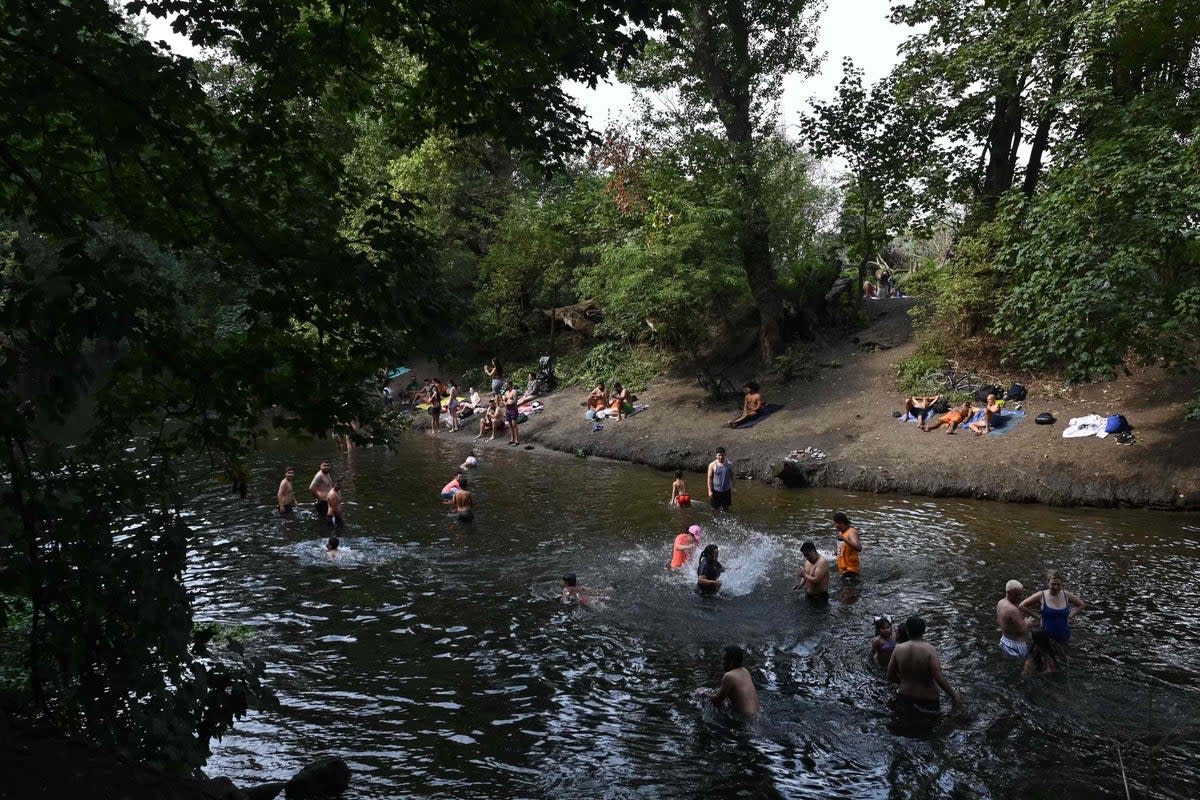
1002,423
608,414
768,410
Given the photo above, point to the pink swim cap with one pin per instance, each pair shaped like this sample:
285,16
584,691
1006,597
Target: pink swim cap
695,531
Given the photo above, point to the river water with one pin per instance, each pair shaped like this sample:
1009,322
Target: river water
437,659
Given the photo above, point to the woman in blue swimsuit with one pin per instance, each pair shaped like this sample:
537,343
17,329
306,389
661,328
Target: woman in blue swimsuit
1058,607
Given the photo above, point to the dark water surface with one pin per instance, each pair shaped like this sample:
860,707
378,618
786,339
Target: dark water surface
438,661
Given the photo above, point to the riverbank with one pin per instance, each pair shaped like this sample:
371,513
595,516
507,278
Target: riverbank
845,412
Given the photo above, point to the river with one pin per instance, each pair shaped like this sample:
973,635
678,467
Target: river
437,659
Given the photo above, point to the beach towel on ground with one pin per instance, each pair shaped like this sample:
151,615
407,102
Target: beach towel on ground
1002,423
768,410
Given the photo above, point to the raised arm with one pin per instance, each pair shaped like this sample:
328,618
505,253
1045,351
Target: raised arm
1032,605
1076,604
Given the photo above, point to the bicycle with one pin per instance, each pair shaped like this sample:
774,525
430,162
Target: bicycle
717,387
952,381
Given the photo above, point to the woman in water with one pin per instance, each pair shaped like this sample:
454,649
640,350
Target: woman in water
1041,660
884,644
708,571
1058,607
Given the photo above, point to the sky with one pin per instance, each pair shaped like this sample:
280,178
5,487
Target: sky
856,28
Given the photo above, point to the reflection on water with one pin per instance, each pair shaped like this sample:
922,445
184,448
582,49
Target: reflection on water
439,661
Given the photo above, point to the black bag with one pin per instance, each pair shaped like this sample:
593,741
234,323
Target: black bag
984,391
1016,392
940,407
1044,418
466,412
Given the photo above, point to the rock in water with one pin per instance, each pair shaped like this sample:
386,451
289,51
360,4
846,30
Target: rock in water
323,779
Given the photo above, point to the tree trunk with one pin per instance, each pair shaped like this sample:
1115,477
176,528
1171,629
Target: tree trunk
1041,137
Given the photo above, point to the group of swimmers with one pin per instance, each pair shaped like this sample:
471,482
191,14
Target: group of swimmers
901,651
328,504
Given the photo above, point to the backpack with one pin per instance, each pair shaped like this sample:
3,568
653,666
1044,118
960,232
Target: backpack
984,391
1116,424
940,407
1016,392
1044,418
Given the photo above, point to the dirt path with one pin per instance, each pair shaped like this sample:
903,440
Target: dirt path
846,411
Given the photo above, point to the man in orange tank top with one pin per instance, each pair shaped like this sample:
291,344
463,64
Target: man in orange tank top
848,547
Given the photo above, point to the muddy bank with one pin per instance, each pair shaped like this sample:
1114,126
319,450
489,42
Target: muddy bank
845,410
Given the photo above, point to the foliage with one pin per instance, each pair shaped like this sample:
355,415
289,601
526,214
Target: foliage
610,362
1191,410
911,371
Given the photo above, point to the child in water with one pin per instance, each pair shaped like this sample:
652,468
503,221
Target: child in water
884,644
679,491
708,571
331,547
1041,660
334,499
572,591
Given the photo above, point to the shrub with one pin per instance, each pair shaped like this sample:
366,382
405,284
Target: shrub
911,371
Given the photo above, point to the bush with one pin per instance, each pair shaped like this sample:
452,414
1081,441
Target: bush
610,361
911,371
1191,410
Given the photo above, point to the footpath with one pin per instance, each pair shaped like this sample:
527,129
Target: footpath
845,413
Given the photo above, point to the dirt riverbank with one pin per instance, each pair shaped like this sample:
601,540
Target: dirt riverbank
846,412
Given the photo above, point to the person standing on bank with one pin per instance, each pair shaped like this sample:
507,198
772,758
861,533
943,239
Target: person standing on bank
849,547
1058,607
320,486
720,482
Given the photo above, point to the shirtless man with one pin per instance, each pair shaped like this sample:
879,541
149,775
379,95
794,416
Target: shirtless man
919,408
915,664
334,501
511,413
1013,625
320,486
752,406
814,577
954,417
463,506
991,409
736,685
286,495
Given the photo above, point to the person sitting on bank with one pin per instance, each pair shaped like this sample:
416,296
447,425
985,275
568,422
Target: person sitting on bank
869,291
472,402
919,408
752,406
954,417
492,421
598,399
991,409
622,401
531,390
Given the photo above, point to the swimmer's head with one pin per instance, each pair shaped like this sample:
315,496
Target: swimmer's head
882,623
1041,639
809,550
721,452
570,580
289,471
915,627
333,543
841,519
734,656
337,486
696,532
678,473
325,467
1013,586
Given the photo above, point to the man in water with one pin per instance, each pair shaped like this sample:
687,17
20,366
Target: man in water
736,685
814,577
462,504
917,667
685,543
334,502
752,406
331,547
849,546
511,413
320,486
720,482
1013,625
286,495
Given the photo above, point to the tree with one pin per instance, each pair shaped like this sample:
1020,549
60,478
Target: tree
726,60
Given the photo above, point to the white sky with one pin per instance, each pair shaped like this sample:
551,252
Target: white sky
856,28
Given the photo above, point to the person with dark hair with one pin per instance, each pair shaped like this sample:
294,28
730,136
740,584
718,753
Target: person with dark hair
1041,660
736,684
285,496
320,486
496,372
572,591
463,504
849,547
814,576
679,491
920,407
917,667
720,482
334,501
622,401
752,405
435,408
511,412
884,644
452,404
331,547
708,571
597,399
